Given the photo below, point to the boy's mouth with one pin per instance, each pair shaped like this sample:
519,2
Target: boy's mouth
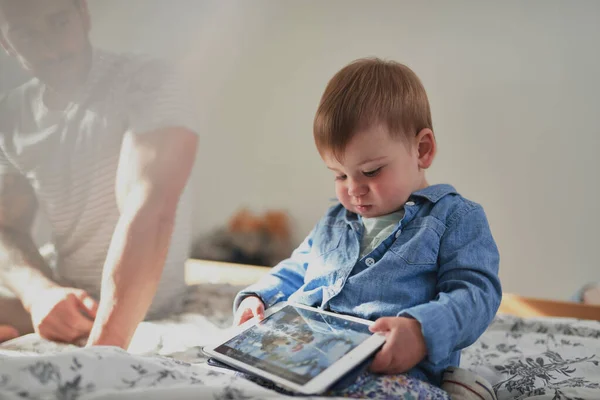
363,208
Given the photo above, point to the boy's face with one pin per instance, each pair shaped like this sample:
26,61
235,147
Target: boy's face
378,173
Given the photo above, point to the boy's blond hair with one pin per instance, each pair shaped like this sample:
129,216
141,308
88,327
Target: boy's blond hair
367,92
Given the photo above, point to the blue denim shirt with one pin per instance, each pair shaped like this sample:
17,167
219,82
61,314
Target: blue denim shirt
439,266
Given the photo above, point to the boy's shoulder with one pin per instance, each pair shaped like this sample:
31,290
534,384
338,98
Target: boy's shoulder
445,203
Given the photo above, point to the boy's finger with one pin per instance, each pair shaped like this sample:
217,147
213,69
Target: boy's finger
237,318
381,362
243,317
395,367
256,312
382,324
248,315
260,311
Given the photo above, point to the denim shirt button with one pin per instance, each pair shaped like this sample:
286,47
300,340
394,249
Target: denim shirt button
369,261
409,203
398,233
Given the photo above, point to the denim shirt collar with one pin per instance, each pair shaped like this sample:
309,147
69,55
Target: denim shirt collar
431,193
353,219
434,193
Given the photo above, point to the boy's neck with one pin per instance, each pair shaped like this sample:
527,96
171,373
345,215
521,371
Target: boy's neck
422,185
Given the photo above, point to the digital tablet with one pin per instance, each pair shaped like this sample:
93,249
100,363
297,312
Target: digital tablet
298,347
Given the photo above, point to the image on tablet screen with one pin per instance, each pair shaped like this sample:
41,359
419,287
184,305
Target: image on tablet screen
295,343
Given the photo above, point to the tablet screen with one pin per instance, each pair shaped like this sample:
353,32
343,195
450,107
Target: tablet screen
295,343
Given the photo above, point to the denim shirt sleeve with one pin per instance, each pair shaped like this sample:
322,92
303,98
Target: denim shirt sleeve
283,280
468,288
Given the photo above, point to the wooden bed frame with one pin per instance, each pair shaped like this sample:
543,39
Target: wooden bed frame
202,271
531,307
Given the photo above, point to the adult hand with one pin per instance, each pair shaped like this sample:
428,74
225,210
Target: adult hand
63,314
7,332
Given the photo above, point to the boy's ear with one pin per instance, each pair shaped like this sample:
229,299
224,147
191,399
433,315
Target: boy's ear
426,147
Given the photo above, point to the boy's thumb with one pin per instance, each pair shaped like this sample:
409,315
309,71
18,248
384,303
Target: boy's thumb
382,324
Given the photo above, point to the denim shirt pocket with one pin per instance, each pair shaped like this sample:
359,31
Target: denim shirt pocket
419,242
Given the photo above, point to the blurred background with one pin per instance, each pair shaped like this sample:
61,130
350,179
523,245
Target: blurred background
513,86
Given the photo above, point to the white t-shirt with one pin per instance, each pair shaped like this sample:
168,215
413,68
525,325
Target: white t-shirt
377,229
71,158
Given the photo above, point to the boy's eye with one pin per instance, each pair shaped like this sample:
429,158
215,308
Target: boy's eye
373,173
340,177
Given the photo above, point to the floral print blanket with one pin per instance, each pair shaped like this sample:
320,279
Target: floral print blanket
538,358
522,358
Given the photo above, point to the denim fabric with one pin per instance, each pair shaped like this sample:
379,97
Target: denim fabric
439,266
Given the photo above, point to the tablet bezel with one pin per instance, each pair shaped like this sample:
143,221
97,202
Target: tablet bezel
323,380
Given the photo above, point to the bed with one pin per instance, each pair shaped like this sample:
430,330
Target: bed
535,349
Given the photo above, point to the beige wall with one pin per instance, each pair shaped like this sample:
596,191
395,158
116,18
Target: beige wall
514,92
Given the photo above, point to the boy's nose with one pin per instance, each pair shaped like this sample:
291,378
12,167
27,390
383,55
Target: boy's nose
357,190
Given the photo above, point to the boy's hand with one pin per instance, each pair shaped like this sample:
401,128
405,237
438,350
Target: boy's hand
404,347
250,307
